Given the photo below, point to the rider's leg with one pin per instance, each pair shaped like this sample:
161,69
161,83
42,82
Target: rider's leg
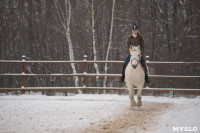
124,67
145,69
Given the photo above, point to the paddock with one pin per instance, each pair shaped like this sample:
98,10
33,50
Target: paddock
96,113
85,113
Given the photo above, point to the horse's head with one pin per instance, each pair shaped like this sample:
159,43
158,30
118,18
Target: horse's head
135,55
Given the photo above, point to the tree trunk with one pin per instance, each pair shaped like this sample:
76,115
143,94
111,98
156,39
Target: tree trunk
94,44
68,36
110,42
153,23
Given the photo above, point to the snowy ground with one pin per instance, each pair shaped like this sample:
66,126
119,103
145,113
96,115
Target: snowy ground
96,113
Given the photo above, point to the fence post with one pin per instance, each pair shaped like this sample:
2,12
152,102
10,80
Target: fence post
23,78
147,60
85,67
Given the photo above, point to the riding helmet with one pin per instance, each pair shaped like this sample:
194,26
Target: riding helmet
135,27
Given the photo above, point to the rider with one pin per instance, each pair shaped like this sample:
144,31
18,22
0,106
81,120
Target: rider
135,39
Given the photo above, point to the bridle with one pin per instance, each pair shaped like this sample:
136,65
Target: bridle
135,66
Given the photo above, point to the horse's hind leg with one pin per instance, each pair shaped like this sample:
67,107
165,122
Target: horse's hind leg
139,96
131,95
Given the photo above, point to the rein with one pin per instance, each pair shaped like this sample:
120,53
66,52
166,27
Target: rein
134,66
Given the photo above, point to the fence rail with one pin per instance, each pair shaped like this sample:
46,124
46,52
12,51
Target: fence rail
99,88
90,61
93,74
85,74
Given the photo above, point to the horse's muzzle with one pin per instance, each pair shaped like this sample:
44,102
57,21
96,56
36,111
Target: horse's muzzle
134,65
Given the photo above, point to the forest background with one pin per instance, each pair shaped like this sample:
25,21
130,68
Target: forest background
69,29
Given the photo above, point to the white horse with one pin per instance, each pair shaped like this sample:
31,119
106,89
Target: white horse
134,75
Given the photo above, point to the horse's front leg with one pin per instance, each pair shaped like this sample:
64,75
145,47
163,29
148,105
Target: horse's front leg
131,95
139,96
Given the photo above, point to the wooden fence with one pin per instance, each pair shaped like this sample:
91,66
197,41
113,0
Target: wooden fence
85,74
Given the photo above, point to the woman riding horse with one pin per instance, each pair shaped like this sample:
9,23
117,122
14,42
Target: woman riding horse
135,39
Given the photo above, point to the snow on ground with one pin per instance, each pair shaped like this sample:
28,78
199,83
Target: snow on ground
96,113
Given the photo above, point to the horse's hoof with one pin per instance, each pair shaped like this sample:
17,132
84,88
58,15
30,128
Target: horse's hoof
139,104
133,105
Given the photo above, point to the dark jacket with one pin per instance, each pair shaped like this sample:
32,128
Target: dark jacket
136,41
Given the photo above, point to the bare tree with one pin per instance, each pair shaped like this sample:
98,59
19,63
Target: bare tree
65,21
91,5
110,41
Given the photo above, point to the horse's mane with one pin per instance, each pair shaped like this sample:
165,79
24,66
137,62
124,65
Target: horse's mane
134,49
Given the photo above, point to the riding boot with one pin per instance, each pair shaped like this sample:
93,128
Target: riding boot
122,79
124,67
145,69
146,78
